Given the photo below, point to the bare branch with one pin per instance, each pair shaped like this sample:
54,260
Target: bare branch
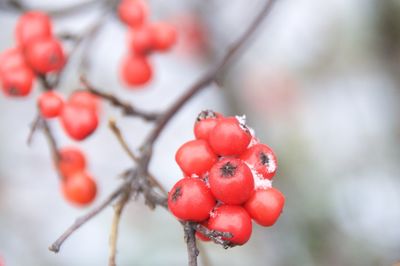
118,208
192,250
216,236
126,108
35,125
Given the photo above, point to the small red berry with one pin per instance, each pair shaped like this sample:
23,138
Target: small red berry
85,99
79,188
45,55
78,121
233,219
31,26
136,70
231,181
17,82
164,35
11,59
50,104
195,157
141,40
71,160
191,200
265,206
262,159
229,137
133,12
205,122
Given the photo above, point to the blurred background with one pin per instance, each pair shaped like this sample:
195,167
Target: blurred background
319,82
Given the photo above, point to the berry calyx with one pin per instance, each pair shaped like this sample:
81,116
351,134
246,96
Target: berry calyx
233,219
231,181
136,70
50,104
71,160
17,82
195,157
265,206
32,25
262,159
133,12
45,55
205,122
78,121
229,137
79,189
191,200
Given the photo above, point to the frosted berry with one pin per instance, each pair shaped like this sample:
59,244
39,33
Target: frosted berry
262,159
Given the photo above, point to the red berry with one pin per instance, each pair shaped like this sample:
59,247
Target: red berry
133,12
72,160
50,104
205,122
191,200
85,99
231,181
11,59
229,137
265,206
31,26
136,70
45,55
195,157
17,82
141,40
79,188
164,35
233,219
78,121
262,159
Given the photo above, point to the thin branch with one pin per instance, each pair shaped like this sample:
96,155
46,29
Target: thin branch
53,146
117,132
190,238
126,108
34,126
55,247
216,236
118,208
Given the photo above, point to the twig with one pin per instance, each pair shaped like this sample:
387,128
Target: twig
55,247
34,126
216,236
192,250
118,208
55,155
117,132
126,108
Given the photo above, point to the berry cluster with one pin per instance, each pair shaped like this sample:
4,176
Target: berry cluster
227,179
144,38
77,185
37,52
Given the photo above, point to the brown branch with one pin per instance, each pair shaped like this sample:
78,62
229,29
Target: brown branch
55,247
35,125
126,108
53,146
190,239
214,235
118,208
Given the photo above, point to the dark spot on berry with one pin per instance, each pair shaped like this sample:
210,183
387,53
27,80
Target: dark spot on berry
13,90
53,59
177,194
206,114
264,158
228,170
